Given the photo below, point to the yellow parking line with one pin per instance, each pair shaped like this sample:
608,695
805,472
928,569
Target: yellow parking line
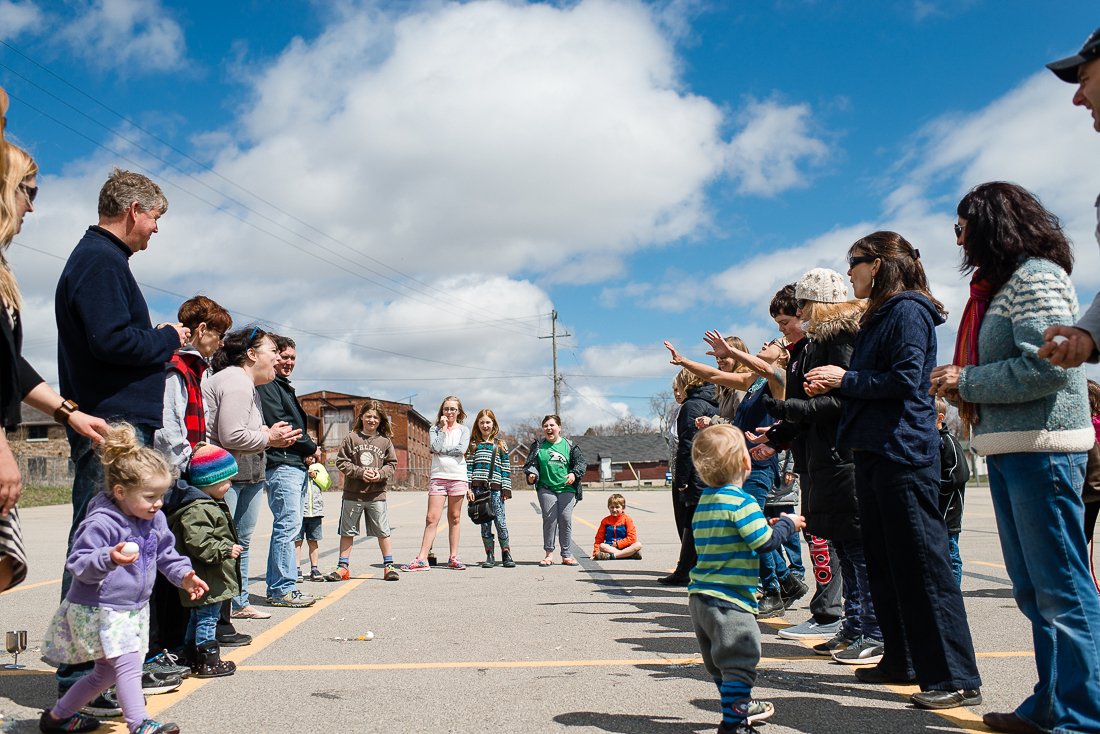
238,655
986,563
24,587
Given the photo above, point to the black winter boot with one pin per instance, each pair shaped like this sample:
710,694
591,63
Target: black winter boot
490,553
210,664
506,558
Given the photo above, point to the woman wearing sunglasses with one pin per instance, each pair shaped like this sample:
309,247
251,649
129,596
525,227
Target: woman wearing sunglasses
19,383
889,423
1031,420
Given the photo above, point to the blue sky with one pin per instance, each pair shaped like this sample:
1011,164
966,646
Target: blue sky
410,188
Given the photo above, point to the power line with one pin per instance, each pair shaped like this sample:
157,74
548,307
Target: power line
425,288
300,330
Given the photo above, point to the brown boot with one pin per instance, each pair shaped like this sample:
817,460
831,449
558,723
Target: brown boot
209,663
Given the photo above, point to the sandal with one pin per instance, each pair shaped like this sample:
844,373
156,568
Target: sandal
569,561
545,562
249,612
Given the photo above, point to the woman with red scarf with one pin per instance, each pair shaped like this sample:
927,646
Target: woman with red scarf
1030,419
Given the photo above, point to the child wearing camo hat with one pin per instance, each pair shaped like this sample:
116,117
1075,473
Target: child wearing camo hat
205,533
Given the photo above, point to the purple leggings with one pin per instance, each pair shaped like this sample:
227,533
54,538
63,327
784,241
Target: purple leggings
124,673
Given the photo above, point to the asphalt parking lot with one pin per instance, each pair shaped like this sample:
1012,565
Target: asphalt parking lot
597,648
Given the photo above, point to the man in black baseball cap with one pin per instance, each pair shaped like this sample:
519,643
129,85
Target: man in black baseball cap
1071,346
1066,69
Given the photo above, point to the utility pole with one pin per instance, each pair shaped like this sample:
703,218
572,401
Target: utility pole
554,349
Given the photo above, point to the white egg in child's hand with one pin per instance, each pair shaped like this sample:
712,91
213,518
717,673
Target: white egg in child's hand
1058,339
130,548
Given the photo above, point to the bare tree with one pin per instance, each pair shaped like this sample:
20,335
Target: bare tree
662,406
626,426
522,433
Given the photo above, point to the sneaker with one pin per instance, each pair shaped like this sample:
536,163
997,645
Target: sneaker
456,565
743,728
637,556
810,629
76,722
754,710
104,705
316,575
294,599
165,664
153,727
770,605
300,578
417,565
342,573
602,556
391,574
154,683
840,641
862,651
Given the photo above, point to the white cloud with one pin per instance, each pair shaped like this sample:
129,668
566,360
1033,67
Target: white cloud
771,152
470,147
132,36
16,17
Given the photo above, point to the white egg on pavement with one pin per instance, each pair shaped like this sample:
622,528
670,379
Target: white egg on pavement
130,548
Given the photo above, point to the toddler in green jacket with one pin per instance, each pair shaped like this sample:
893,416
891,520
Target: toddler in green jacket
203,525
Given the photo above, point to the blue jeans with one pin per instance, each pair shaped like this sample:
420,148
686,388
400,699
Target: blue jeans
956,557
243,501
203,624
772,566
792,546
859,609
1040,516
87,481
286,487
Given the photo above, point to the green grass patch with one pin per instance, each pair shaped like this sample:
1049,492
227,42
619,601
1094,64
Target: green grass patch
38,495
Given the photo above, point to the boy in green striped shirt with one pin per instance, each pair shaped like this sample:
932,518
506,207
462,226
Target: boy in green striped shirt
730,532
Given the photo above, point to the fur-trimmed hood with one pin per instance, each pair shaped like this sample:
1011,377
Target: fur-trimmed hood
845,321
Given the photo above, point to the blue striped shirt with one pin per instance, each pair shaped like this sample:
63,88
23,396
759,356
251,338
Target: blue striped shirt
729,528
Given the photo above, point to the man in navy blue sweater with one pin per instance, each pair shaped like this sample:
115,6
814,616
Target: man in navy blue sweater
110,357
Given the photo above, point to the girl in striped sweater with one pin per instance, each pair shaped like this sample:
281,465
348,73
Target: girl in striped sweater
481,468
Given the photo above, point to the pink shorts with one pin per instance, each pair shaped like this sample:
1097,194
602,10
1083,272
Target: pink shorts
447,487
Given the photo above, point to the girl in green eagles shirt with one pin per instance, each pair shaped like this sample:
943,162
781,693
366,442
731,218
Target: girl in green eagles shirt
555,466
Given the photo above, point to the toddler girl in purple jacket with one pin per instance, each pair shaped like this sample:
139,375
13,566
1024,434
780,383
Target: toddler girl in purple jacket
105,616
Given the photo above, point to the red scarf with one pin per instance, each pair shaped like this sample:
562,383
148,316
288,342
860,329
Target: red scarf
191,366
966,343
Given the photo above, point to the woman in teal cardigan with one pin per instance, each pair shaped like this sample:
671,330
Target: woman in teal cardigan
1030,419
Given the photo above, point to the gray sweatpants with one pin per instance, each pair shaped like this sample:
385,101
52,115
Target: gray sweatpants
557,520
729,640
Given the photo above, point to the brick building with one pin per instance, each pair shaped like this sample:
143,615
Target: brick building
330,415
41,449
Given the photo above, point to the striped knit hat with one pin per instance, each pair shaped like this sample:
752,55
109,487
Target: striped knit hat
211,465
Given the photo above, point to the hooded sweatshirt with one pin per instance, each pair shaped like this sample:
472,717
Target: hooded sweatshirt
887,408
100,582
360,452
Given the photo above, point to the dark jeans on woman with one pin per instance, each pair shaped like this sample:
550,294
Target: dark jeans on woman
918,604
859,608
688,555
